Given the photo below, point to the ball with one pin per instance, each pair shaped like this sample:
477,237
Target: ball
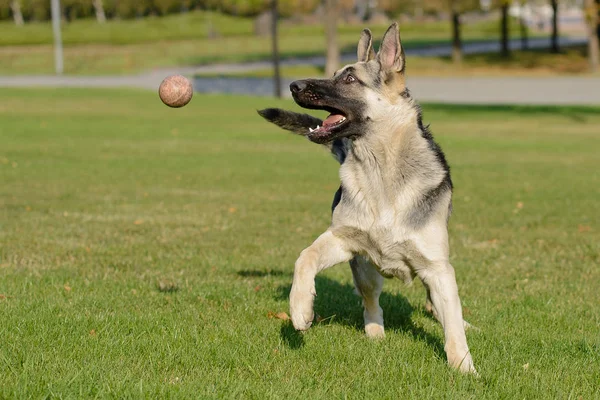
175,91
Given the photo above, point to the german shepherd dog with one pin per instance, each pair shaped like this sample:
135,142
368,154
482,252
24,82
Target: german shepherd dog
390,214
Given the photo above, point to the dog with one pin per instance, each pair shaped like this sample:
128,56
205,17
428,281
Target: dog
390,214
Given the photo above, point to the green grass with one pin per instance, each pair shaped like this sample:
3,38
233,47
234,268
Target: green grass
198,24
142,248
125,47
192,25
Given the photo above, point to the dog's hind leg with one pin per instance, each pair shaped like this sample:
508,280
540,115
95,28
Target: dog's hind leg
369,284
445,303
429,308
327,251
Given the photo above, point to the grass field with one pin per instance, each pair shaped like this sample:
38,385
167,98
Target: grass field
124,47
142,250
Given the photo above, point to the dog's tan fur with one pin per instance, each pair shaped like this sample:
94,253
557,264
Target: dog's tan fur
382,224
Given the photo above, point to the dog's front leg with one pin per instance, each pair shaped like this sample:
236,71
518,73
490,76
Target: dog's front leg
327,251
445,303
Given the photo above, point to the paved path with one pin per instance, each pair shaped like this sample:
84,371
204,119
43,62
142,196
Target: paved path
477,90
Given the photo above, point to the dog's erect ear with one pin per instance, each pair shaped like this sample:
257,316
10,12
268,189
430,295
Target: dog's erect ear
291,121
365,50
391,53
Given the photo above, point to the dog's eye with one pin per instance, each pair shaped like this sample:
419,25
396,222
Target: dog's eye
350,79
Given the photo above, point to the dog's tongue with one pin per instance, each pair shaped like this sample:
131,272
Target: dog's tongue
332,119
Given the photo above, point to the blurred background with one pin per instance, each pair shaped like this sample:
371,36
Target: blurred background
147,251
237,45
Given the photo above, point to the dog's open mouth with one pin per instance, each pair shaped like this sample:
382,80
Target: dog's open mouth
333,124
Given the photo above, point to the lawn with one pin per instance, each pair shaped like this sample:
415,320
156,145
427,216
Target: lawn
144,251
131,46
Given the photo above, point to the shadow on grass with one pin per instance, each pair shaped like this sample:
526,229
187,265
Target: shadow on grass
290,336
337,304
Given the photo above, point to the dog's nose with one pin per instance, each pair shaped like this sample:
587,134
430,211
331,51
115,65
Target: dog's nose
297,86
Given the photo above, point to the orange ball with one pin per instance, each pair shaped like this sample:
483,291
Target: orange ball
175,91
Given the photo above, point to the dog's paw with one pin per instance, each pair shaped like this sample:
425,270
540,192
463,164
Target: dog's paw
374,331
463,362
301,309
467,367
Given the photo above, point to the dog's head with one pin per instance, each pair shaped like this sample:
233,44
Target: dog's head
357,94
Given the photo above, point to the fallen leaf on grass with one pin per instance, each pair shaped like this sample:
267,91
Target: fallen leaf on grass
280,315
519,207
138,222
257,288
584,228
167,286
93,332
232,210
492,243
67,288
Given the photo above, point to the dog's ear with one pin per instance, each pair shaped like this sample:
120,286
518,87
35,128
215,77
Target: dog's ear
391,53
365,50
290,121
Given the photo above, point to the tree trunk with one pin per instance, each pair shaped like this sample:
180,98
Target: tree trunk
554,38
362,9
332,62
504,31
274,36
524,29
598,19
15,6
593,24
99,8
457,54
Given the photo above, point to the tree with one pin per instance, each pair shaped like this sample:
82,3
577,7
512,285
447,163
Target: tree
15,7
598,19
276,71
504,48
332,62
593,25
456,9
523,26
456,39
99,8
554,37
